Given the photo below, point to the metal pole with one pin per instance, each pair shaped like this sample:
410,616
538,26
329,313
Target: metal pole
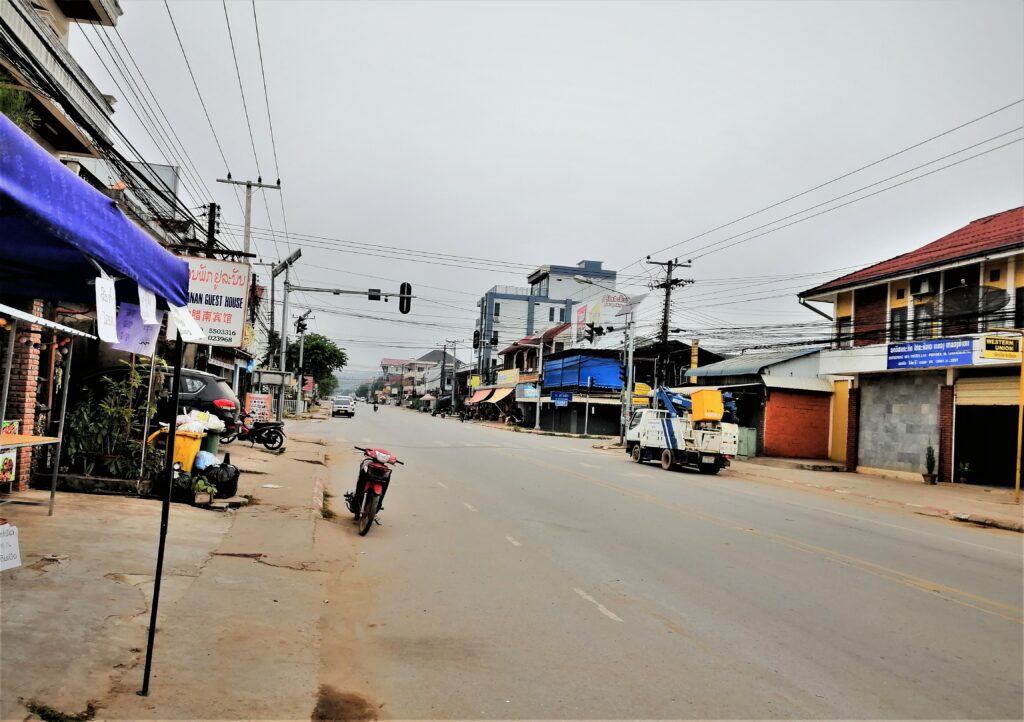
455,373
248,217
284,342
165,512
7,372
540,376
1020,422
301,405
66,380
586,407
631,330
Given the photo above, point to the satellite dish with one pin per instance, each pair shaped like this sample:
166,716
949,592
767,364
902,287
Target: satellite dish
971,301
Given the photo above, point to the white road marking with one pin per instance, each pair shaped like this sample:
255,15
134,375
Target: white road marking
512,541
589,466
440,443
603,609
441,484
470,506
635,474
467,443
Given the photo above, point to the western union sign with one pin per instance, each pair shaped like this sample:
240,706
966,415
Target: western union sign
1003,347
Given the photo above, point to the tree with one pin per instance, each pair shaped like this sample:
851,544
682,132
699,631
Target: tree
15,105
321,358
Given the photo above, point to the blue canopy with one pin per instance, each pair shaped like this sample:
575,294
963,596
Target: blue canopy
51,221
582,371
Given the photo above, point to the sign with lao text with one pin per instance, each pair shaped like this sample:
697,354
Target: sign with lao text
258,405
561,398
507,377
933,353
218,293
1001,347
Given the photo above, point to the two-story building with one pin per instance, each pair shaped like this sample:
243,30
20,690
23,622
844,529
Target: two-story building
916,336
509,313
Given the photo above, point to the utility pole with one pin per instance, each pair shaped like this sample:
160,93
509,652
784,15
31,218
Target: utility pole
455,370
249,185
444,359
300,329
668,284
276,271
211,228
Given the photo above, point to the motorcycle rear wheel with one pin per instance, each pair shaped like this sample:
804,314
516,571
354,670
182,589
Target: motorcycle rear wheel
371,502
273,439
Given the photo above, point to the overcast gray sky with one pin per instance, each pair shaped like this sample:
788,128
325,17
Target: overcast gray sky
548,132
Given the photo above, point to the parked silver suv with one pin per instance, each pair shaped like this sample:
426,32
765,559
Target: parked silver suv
343,406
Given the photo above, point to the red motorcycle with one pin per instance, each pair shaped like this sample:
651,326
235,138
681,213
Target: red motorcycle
371,486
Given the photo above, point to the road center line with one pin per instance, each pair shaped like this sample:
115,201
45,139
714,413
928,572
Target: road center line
512,541
442,485
589,466
469,506
601,608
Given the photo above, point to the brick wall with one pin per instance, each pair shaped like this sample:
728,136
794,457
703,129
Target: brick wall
869,315
796,425
21,399
945,449
852,429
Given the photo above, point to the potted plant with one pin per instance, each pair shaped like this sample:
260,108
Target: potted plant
963,472
929,463
204,491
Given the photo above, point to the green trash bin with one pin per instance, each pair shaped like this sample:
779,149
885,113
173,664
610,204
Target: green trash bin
211,443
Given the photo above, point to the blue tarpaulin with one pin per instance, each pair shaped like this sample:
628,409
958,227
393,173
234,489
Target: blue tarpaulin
578,371
51,220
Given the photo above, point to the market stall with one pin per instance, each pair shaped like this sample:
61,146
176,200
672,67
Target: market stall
62,239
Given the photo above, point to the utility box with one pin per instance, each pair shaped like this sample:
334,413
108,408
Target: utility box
707,405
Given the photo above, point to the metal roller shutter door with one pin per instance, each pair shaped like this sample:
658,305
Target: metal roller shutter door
992,391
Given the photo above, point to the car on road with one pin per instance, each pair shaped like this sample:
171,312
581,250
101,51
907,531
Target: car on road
343,406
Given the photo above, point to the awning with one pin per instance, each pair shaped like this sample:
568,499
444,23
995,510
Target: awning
428,397
52,222
499,394
479,396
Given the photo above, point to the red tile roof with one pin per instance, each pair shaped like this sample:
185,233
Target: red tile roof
985,235
393,362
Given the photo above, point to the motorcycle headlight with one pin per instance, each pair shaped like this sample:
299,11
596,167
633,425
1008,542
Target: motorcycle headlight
382,457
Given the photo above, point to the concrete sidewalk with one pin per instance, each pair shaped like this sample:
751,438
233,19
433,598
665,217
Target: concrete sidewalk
242,599
988,506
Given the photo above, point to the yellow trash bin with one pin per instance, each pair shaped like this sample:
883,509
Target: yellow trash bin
186,446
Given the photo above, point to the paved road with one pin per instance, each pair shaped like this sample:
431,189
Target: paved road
521,576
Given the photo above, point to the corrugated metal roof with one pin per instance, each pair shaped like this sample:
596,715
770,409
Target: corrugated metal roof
984,235
748,363
797,383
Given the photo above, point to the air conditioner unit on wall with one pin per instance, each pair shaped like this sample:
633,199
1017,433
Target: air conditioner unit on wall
921,286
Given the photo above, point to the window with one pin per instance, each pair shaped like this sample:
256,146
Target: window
540,288
559,346
924,321
1018,311
192,385
901,293
993,275
844,332
898,324
497,310
551,314
561,315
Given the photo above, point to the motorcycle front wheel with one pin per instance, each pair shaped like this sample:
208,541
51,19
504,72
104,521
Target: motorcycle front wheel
371,502
227,438
273,439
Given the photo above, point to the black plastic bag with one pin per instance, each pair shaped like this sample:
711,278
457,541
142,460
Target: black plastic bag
224,477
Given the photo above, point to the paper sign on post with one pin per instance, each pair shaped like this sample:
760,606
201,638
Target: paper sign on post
184,324
10,552
106,309
147,303
135,336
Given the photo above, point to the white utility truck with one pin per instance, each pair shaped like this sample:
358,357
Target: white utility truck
686,432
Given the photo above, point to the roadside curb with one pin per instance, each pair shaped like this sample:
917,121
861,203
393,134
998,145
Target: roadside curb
924,510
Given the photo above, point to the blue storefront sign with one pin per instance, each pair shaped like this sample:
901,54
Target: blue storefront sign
561,398
934,353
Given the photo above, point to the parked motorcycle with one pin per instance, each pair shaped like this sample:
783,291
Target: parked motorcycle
371,486
268,433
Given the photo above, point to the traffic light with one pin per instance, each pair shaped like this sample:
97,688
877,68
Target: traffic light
494,338
373,294
476,339
405,300
589,333
622,374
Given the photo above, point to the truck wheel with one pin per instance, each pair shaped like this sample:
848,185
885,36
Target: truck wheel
708,469
637,454
666,459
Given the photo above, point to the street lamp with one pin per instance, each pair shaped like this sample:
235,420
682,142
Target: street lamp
628,343
1020,407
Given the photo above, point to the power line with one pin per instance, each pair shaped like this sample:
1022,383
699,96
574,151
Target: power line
270,122
227,166
241,90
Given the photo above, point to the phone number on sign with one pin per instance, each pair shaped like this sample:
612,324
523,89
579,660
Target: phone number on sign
224,335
